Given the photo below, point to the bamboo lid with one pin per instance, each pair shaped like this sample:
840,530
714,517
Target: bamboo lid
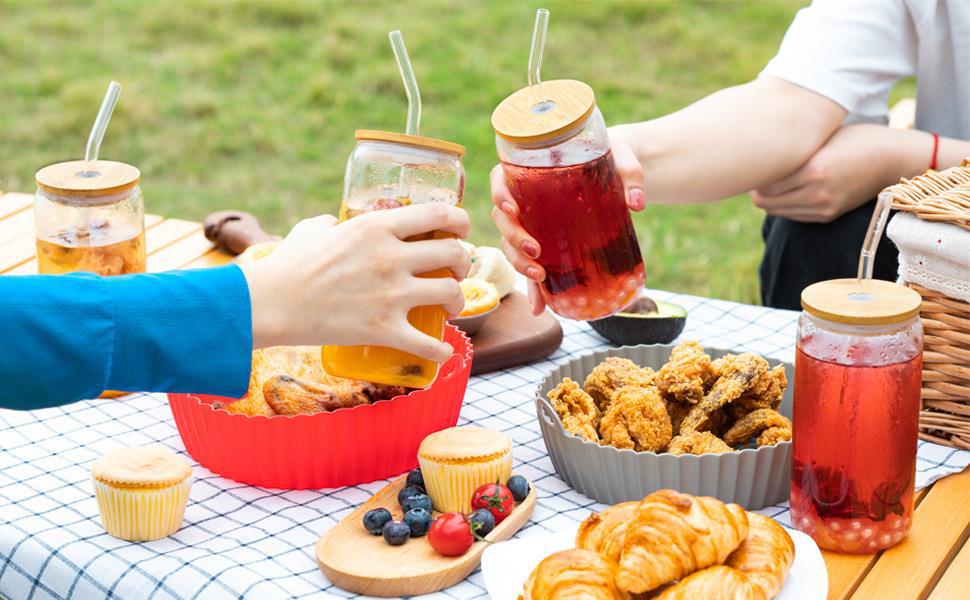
530,116
873,302
418,141
65,178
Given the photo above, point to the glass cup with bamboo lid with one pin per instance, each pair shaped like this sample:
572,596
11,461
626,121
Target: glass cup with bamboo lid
555,152
388,170
89,217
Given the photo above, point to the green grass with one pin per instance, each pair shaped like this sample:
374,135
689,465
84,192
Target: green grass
253,105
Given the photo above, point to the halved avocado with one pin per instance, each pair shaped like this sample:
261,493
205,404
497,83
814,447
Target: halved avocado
644,322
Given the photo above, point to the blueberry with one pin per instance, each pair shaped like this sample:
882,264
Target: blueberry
408,490
418,520
417,501
415,477
396,532
482,522
519,487
374,520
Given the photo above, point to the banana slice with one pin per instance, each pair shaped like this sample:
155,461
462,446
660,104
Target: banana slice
490,264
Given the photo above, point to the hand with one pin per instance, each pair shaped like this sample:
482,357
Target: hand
848,171
523,249
353,283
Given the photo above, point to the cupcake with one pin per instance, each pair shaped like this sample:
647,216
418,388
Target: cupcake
141,492
456,461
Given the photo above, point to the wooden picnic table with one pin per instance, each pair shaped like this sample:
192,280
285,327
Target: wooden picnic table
933,562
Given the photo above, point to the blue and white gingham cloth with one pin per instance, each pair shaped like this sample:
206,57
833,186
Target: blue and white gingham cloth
239,541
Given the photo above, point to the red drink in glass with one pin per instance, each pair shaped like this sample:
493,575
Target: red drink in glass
854,448
578,215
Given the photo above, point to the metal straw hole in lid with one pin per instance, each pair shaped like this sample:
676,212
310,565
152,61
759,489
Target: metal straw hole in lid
543,107
861,297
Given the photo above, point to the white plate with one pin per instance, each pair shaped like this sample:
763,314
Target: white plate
506,565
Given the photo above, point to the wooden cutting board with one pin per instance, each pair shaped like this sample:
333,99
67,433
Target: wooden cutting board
512,336
356,561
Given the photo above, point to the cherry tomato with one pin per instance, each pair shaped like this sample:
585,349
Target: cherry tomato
450,534
495,498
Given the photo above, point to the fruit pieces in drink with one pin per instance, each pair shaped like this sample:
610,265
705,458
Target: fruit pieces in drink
854,452
590,253
101,248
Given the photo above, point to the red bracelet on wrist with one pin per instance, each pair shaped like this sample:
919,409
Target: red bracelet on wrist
936,149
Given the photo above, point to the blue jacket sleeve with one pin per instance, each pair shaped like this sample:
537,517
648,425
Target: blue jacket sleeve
68,337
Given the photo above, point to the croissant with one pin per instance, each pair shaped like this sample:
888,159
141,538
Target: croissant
575,574
674,534
713,583
755,571
765,556
604,532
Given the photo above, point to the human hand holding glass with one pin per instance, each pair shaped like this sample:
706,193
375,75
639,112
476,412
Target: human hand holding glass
354,282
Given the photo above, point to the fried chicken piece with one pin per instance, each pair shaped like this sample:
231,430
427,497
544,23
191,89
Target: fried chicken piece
613,374
292,396
766,393
698,442
637,420
576,410
774,435
677,412
753,424
686,374
736,375
302,364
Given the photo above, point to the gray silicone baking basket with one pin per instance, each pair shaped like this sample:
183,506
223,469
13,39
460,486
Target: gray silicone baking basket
753,477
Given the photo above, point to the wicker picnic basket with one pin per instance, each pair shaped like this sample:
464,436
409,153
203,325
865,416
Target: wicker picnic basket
942,197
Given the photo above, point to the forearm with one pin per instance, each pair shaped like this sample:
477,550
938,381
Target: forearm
732,141
69,337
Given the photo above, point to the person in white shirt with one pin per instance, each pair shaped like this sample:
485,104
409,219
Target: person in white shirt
808,138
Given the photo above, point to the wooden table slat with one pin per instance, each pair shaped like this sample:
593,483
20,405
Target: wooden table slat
16,225
955,582
13,203
940,526
181,253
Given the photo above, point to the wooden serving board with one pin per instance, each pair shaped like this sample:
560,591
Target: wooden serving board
512,336
356,561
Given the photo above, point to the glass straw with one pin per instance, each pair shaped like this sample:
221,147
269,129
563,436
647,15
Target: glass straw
538,43
880,216
100,126
410,82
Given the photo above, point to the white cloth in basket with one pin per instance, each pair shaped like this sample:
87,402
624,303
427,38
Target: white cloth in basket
933,255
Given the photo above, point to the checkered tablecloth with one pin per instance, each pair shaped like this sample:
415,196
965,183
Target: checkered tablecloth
239,541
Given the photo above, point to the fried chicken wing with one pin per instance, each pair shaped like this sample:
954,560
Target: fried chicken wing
687,373
576,410
299,385
292,396
736,374
698,442
774,435
755,423
636,419
677,412
613,374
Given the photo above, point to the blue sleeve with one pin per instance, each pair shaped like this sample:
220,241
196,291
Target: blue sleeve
68,337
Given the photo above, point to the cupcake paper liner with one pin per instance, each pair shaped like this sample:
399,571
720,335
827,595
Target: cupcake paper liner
752,477
451,486
142,514
329,449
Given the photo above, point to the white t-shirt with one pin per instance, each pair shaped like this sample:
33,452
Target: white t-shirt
854,52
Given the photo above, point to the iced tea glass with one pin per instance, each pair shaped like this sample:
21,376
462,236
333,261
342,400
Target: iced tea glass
387,171
572,201
89,221
855,427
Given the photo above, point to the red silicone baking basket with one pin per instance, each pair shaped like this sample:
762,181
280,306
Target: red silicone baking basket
330,449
